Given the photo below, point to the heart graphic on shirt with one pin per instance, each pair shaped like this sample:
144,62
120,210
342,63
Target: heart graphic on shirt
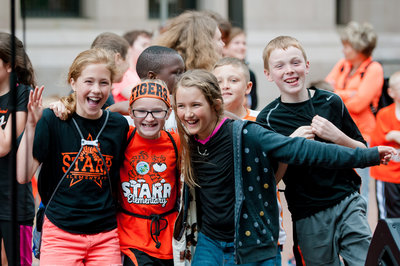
159,167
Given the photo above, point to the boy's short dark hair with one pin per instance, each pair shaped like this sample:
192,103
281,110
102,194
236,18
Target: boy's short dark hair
153,58
236,63
131,36
281,42
111,42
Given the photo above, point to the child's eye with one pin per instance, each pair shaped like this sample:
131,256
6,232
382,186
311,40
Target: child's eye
105,83
278,66
88,81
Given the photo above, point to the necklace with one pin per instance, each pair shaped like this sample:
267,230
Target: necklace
205,153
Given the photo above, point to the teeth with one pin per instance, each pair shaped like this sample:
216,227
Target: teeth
94,99
291,80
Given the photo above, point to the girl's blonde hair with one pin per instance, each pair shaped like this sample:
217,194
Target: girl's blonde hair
85,58
191,35
23,66
361,37
207,83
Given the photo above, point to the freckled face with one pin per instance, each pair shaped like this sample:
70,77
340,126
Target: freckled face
92,88
288,69
149,126
194,112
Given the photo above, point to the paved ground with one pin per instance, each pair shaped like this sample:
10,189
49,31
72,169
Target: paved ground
287,247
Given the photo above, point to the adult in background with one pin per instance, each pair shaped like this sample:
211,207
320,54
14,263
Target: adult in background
358,80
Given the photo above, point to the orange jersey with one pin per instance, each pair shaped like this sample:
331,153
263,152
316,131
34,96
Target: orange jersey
386,121
358,91
148,186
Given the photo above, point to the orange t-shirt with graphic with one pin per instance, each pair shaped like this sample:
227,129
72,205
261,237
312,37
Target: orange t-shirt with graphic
148,186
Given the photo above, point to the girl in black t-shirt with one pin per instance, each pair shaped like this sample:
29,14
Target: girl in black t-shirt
25,204
80,160
230,165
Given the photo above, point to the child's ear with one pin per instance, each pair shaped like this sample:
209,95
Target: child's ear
130,112
151,75
267,74
307,67
249,86
390,93
168,113
218,104
72,83
8,68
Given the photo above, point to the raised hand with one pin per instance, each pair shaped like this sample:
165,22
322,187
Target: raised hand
35,108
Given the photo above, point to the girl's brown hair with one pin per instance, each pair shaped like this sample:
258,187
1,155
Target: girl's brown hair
85,58
23,66
191,35
207,83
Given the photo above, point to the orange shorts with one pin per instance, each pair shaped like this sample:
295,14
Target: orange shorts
63,248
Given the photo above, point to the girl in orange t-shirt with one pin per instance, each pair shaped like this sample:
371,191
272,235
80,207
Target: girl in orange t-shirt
149,183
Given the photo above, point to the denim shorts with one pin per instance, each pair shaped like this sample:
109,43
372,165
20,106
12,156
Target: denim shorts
210,252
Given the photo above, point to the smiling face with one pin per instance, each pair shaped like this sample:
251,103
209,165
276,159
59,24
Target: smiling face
288,69
194,112
149,127
92,88
234,86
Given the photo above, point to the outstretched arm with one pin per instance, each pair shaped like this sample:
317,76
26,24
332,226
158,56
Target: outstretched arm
120,107
26,163
303,131
324,129
386,153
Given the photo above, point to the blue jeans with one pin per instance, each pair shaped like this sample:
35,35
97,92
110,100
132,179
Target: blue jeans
210,252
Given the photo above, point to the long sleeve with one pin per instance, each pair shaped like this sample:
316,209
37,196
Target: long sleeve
302,151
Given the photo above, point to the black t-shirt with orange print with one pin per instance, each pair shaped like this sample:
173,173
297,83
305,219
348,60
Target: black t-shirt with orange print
83,203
